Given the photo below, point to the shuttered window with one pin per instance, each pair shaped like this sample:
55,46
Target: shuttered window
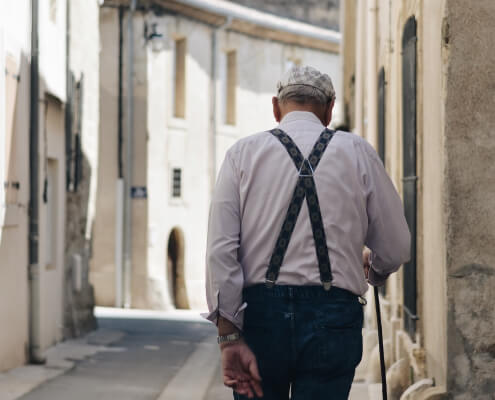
409,168
230,96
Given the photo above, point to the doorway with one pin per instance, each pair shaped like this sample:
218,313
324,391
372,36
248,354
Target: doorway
175,269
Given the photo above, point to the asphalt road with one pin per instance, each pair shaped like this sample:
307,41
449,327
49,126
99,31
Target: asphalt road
151,356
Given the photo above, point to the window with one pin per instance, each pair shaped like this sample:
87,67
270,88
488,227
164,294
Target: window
231,87
51,213
409,180
180,78
176,182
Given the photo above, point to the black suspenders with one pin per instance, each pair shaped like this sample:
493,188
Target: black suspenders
305,188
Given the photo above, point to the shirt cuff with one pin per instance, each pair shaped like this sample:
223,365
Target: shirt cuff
376,279
237,318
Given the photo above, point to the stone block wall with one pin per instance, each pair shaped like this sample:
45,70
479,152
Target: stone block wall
470,195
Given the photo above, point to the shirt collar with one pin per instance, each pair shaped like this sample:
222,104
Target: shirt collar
300,116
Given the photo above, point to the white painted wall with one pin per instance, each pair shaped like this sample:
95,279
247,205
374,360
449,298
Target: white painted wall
15,22
52,45
52,232
2,128
84,59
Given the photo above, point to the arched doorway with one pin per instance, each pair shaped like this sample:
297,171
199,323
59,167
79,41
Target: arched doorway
175,269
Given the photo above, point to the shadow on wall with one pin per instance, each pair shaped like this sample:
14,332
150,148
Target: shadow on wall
175,269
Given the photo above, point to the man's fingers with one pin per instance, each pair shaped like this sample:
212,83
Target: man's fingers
229,382
245,389
257,388
253,369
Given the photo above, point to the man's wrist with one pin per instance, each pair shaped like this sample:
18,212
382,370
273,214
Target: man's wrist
226,327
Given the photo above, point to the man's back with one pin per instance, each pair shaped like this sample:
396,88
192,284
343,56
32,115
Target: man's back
264,178
291,212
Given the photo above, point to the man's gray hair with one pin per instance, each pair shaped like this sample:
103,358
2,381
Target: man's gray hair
304,94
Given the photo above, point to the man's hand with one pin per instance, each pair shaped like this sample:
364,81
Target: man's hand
366,262
240,369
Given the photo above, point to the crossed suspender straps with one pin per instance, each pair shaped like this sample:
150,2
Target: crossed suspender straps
305,188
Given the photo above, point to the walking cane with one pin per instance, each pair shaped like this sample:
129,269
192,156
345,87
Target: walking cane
380,344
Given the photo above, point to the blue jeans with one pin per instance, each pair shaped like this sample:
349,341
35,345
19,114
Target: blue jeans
307,341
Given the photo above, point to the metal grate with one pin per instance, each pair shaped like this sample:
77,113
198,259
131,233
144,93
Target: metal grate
409,168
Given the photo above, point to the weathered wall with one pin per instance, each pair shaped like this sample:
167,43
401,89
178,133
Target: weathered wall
324,13
470,196
84,62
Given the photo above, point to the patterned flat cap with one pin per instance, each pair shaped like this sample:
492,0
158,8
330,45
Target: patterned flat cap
307,76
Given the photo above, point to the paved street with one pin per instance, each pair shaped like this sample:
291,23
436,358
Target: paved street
143,355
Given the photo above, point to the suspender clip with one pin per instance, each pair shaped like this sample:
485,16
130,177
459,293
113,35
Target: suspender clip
269,284
327,285
309,169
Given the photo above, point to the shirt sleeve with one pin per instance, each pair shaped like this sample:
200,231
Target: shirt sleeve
224,276
388,235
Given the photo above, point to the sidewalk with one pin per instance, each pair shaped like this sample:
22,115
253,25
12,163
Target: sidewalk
59,360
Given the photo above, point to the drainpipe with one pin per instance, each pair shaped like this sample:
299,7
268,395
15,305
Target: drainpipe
129,157
213,102
372,75
119,195
35,356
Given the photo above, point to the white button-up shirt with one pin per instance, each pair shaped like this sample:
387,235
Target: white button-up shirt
358,202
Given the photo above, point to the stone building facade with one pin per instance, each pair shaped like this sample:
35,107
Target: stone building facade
40,291
203,77
417,79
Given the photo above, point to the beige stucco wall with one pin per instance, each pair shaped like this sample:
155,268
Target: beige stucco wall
163,142
52,150
102,263
427,352
15,44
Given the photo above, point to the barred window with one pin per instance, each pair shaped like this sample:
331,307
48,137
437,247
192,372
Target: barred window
176,182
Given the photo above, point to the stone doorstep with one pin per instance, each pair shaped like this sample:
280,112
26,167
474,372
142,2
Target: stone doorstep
60,358
375,391
359,391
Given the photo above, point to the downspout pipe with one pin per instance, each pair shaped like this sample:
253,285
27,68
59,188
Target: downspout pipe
35,354
129,155
213,101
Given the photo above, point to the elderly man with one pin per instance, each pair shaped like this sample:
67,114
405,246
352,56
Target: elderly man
284,281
